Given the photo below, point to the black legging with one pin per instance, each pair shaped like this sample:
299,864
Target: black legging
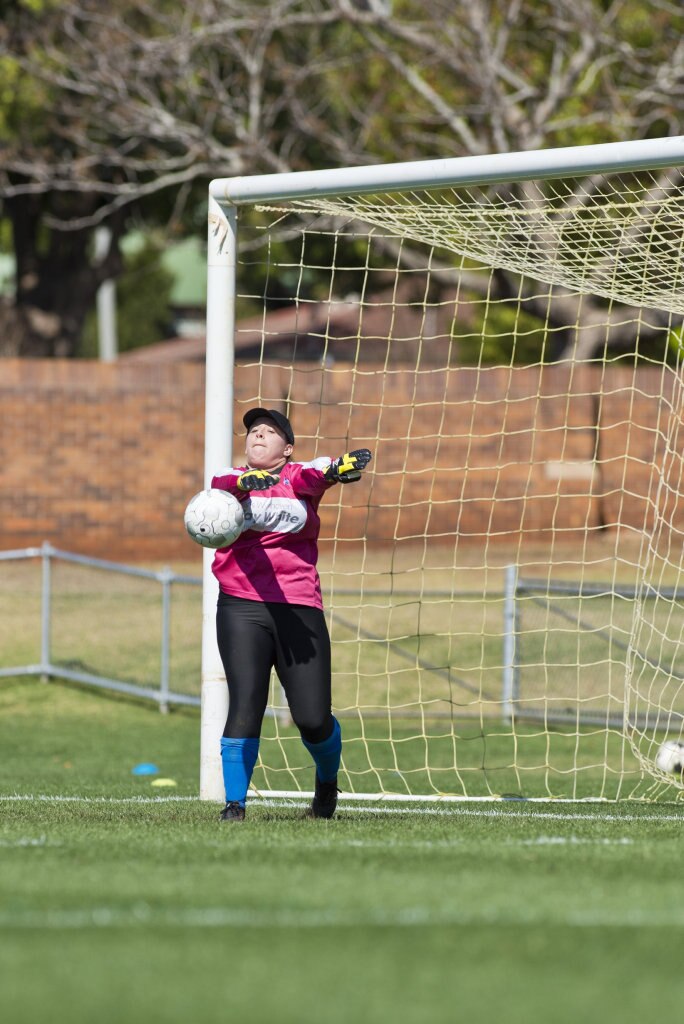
256,636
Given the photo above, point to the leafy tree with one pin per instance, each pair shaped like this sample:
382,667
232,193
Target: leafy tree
143,303
129,108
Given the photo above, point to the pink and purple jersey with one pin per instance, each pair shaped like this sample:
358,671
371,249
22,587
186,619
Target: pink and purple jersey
275,556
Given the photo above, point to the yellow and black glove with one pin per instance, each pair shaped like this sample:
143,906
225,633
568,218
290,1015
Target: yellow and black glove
257,480
348,467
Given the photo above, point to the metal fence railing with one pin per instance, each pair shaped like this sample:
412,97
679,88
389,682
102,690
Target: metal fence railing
48,666
558,655
567,644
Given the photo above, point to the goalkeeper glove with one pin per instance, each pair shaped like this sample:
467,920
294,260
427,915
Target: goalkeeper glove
257,480
348,467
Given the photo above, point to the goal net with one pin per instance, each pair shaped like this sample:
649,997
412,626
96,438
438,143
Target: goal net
503,587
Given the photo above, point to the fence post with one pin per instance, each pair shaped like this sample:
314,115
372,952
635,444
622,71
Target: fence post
283,709
510,678
166,578
45,612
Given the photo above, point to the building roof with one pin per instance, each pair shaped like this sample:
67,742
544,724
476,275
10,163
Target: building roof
339,330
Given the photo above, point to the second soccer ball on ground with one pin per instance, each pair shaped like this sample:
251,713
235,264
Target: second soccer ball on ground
670,757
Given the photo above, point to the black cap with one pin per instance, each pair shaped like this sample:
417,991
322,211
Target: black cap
270,414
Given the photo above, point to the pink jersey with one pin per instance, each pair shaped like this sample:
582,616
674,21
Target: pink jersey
275,556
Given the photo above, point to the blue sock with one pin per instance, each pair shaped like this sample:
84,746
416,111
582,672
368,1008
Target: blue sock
238,758
327,754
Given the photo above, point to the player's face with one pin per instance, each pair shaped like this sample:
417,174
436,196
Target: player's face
266,446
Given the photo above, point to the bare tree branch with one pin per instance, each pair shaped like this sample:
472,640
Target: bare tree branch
135,98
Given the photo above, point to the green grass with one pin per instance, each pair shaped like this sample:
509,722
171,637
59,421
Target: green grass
128,906
418,681
405,633
464,757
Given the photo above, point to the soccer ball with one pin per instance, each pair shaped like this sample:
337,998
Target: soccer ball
670,757
214,518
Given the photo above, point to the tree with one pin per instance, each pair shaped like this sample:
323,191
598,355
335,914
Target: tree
123,110
135,106
143,303
479,77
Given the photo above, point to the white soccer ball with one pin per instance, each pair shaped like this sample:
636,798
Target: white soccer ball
214,518
670,757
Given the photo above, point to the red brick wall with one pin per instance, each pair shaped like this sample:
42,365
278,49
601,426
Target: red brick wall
101,459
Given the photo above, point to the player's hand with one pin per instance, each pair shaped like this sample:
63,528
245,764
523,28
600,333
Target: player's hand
257,480
348,467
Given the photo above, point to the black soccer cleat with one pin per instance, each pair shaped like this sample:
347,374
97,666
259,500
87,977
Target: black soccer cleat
325,798
232,812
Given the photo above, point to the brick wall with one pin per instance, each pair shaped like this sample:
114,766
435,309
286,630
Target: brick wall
101,459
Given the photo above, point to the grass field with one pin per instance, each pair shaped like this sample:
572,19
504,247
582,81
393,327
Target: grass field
418,664
120,901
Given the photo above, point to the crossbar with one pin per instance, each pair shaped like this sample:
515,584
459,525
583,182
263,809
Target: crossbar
569,161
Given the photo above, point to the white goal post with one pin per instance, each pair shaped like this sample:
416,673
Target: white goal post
536,247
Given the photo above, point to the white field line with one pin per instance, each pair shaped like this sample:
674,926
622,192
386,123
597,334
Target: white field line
27,841
326,841
141,915
278,796
568,841
505,809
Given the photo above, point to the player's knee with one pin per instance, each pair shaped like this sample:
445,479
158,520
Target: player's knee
314,729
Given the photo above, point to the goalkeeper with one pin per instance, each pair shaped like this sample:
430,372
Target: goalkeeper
270,611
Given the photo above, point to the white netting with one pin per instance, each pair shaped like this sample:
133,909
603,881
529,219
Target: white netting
619,238
503,588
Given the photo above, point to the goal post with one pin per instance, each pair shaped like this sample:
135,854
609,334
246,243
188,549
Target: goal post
504,332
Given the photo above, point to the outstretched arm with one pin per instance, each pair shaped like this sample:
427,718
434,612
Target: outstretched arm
348,467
